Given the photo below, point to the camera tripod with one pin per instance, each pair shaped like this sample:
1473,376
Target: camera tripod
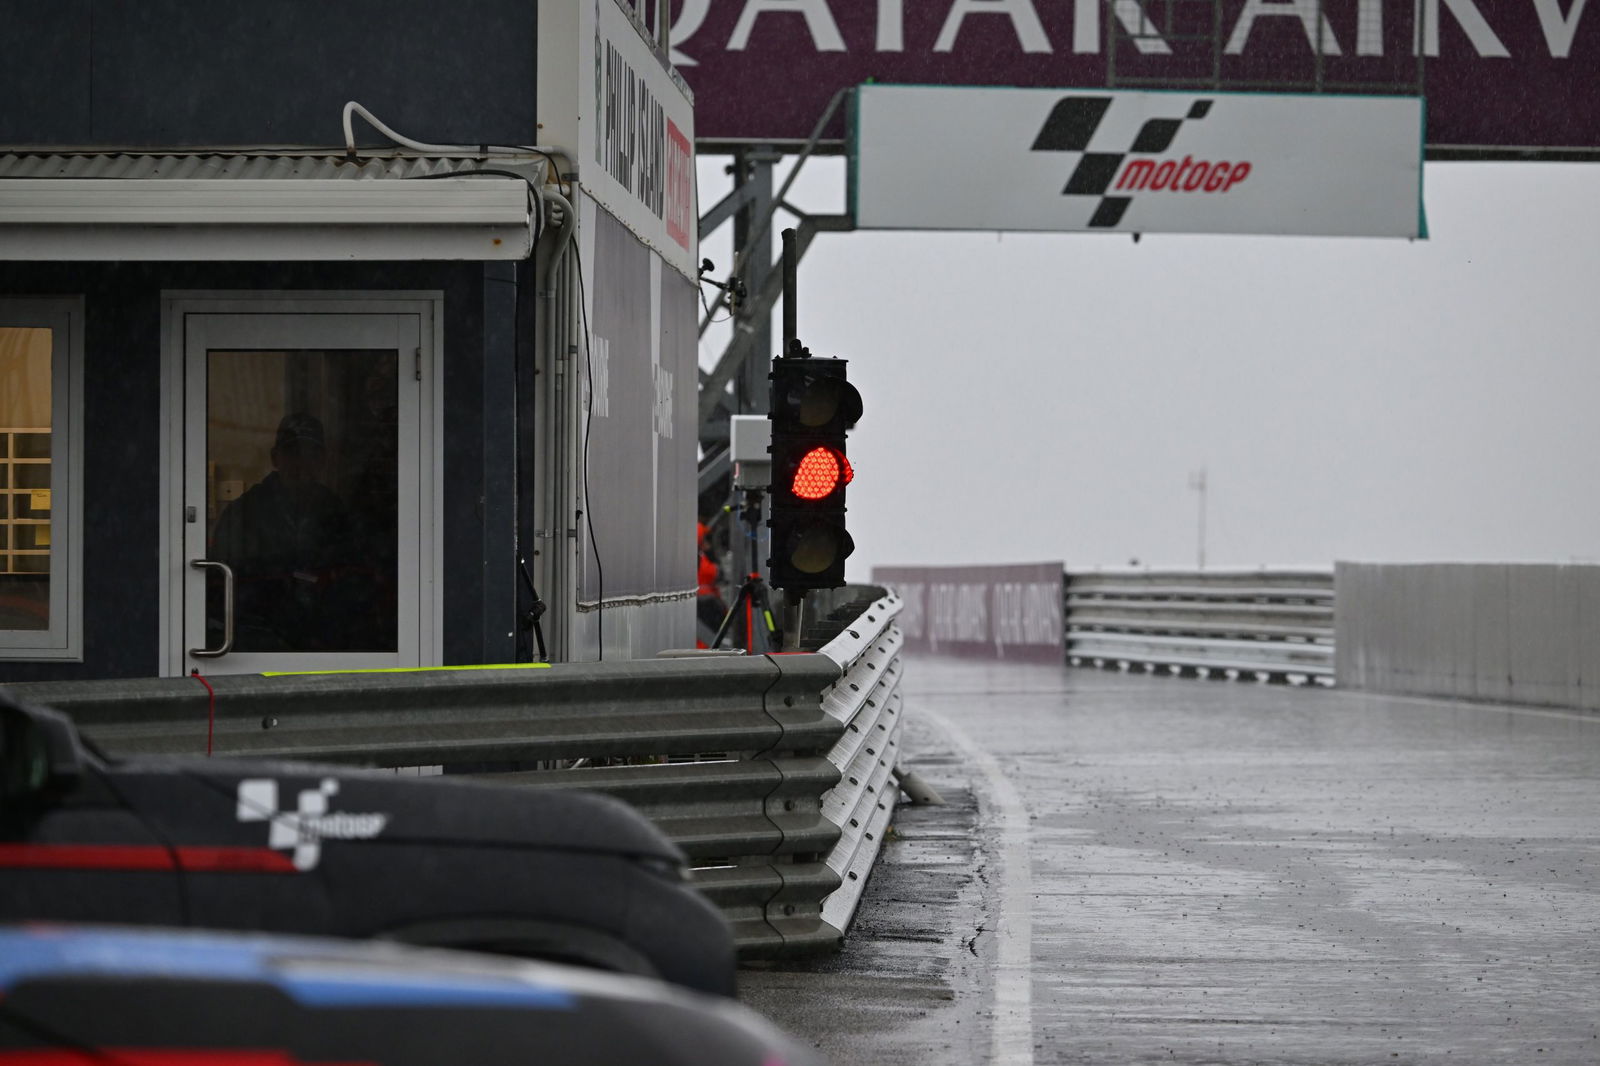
754,596
756,600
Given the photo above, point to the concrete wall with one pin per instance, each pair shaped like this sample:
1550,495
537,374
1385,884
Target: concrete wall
1514,633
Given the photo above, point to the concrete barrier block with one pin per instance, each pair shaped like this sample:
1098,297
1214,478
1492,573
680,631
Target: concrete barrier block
1588,641
1491,630
1543,624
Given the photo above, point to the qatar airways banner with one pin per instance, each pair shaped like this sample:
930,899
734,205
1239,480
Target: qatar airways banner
931,158
994,612
1497,75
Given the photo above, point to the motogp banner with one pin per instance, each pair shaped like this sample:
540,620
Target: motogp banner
931,158
993,612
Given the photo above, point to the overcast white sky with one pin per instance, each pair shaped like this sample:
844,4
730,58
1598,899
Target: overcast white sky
1032,397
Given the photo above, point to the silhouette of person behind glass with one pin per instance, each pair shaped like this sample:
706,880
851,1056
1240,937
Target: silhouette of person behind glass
290,542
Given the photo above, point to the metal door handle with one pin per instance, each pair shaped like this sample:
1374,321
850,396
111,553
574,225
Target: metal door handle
227,609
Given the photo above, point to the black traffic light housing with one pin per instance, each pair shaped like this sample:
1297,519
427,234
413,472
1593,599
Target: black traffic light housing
813,407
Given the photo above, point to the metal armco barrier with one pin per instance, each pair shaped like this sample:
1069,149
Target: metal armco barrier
771,772
868,703
1270,624
569,711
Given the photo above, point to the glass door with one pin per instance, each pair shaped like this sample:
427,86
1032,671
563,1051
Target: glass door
301,492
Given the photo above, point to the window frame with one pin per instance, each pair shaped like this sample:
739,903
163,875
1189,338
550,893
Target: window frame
62,640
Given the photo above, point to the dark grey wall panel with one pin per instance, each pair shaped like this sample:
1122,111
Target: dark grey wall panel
677,394
177,72
462,518
44,71
641,448
498,539
621,459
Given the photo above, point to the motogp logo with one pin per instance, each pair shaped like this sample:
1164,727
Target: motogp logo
303,830
1071,127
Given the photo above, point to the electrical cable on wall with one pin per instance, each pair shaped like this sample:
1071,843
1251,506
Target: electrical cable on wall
535,194
542,200
437,149
536,609
588,425
549,151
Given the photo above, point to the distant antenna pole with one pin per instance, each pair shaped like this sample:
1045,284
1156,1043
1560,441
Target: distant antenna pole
1197,481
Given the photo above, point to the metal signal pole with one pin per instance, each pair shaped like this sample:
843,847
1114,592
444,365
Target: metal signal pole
1197,481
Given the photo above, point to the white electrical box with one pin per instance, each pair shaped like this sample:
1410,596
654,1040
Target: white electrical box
750,437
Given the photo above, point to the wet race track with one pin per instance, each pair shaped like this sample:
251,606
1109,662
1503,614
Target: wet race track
1138,869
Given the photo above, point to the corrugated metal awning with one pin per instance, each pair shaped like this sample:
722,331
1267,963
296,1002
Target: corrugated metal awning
278,205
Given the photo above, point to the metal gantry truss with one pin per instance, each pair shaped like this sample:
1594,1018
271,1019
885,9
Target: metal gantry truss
737,383
752,207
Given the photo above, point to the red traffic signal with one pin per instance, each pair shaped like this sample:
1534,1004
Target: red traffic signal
813,407
821,473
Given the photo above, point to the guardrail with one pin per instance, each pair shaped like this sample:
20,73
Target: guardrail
773,773
867,701
1273,625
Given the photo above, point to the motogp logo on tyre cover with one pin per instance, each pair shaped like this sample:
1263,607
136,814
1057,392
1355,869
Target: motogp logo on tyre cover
1071,127
303,830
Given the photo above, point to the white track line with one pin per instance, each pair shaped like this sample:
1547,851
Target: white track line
1011,1034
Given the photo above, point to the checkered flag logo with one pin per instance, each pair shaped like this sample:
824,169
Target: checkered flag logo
1071,127
302,831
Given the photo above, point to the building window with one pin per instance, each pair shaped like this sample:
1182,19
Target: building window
41,365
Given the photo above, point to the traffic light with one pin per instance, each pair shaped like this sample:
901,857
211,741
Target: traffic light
813,406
